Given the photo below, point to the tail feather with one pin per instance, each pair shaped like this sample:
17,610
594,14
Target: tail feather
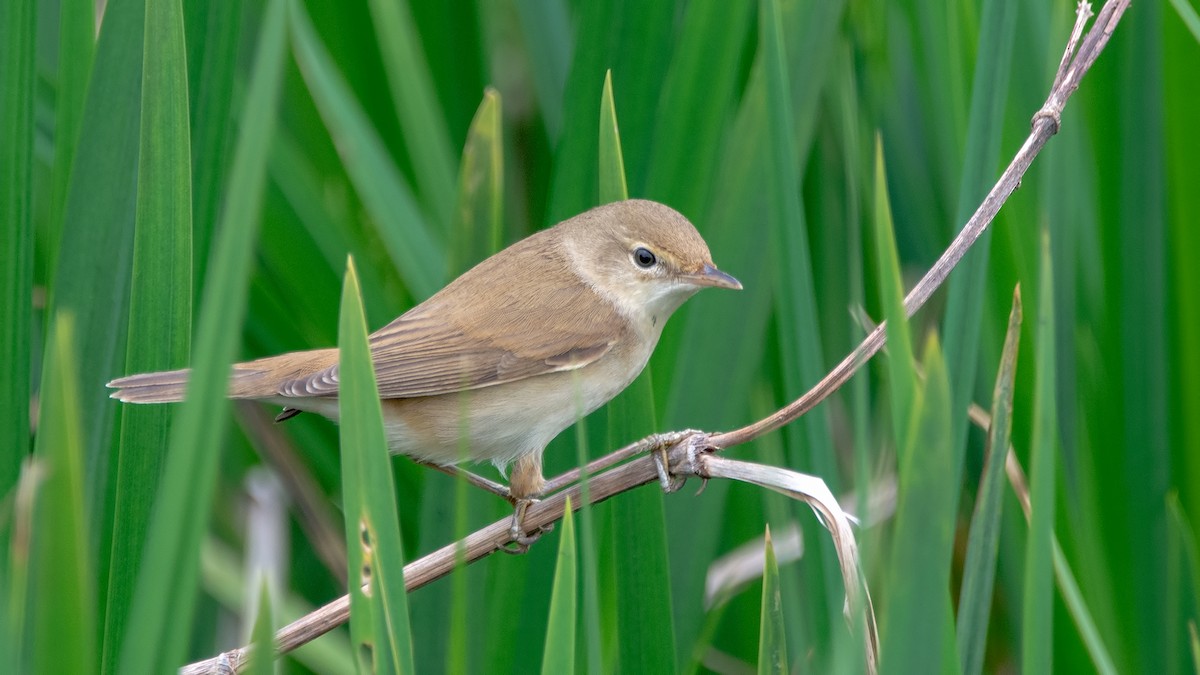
255,379
163,387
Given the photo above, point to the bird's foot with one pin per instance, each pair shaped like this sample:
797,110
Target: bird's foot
696,443
662,463
520,540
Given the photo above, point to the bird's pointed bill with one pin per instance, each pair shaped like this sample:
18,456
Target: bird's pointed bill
711,276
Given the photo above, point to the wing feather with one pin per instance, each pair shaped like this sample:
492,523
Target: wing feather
475,333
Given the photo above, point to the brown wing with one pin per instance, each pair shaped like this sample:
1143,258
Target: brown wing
476,333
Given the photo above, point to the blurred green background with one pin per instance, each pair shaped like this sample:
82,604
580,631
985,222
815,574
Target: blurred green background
181,183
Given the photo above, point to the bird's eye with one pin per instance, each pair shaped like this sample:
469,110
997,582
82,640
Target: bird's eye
644,258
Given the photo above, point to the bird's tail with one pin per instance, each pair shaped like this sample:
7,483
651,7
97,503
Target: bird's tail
163,387
263,378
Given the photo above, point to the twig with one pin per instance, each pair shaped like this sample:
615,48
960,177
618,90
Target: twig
681,453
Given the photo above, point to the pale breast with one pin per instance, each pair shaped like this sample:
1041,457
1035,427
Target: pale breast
500,423
504,422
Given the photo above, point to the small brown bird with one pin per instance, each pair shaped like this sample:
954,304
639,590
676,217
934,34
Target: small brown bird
509,354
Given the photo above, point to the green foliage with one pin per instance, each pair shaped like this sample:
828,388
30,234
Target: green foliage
1037,628
410,242
641,571
263,637
559,654
61,584
378,600
914,623
17,58
160,304
480,221
900,365
964,306
180,170
979,567
167,583
772,640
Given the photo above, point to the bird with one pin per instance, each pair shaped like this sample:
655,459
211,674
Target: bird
508,355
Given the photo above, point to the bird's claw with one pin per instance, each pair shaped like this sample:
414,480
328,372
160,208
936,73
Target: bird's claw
520,540
662,464
696,444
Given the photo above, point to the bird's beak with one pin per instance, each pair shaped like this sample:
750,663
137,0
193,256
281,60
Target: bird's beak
711,276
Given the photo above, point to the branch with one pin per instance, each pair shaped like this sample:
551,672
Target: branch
684,451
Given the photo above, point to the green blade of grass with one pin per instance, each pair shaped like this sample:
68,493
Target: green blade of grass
17,55
903,375
612,165
645,627
451,620
1182,105
942,85
1089,632
1069,210
979,570
547,29
457,51
914,626
458,644
687,135
772,641
262,651
76,48
1184,570
160,303
634,40
214,31
809,440
558,655
413,247
1037,628
848,119
1141,325
161,615
379,603
642,52
964,311
416,104
593,626
91,279
1077,606
296,176
479,225
63,597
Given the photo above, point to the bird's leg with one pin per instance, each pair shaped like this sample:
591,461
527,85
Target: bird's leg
525,485
474,479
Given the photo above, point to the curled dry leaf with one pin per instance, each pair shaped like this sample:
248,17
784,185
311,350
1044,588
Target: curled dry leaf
814,492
